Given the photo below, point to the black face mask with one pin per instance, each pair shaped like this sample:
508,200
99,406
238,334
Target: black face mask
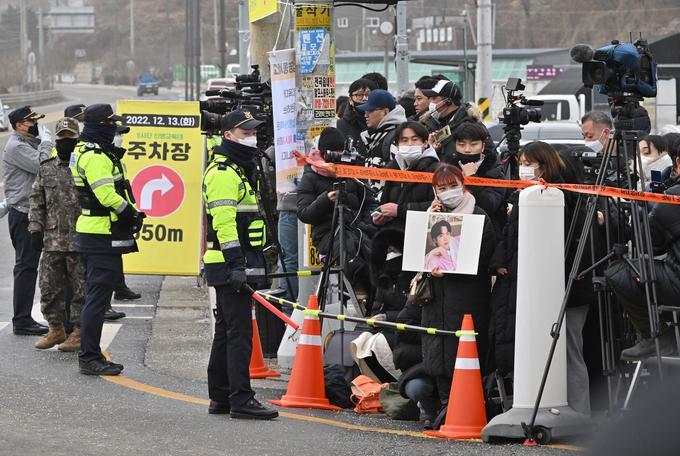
64,148
33,129
99,133
465,158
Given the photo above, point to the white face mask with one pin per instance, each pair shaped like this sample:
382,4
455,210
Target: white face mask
451,198
392,255
118,140
249,141
409,153
80,127
527,173
595,145
433,110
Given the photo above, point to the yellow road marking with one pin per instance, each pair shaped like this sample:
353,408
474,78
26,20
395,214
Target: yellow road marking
143,387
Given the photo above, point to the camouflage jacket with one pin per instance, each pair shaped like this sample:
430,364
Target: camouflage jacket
54,206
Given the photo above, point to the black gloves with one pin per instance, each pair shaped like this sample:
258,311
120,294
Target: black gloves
131,218
37,240
237,279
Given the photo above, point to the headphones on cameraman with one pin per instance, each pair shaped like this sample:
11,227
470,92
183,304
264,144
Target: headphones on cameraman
454,95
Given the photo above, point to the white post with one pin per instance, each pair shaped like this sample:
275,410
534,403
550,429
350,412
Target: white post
540,290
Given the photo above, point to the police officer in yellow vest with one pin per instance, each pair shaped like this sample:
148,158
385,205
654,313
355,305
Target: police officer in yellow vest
104,230
235,238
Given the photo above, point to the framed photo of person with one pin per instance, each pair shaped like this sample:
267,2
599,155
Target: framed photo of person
449,241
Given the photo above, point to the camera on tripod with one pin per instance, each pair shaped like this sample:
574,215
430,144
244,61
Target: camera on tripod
619,69
348,156
250,94
516,111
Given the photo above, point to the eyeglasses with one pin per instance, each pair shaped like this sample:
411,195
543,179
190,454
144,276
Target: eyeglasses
360,95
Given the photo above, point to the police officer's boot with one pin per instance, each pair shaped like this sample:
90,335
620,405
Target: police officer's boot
55,335
72,343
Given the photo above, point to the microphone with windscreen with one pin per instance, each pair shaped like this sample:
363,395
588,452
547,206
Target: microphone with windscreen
582,53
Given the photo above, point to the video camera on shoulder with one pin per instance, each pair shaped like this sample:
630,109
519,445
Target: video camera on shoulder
348,156
250,94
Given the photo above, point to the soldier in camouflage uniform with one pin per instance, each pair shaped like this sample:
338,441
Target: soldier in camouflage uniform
54,210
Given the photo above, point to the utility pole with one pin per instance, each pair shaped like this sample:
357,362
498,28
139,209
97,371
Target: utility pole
188,52
132,29
197,47
23,33
243,36
41,50
466,89
222,39
401,56
483,87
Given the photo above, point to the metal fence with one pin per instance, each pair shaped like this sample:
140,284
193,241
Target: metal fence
28,98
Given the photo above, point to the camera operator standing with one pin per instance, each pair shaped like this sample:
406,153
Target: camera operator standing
235,237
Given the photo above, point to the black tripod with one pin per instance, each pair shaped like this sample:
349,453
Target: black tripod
264,199
622,146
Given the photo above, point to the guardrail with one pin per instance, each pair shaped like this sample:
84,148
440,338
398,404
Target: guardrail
35,98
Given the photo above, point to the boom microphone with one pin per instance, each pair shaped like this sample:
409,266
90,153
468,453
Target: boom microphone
582,53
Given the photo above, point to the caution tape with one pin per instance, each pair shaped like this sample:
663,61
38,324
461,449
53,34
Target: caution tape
360,172
369,321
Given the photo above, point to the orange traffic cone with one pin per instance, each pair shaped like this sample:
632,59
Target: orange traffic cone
306,388
466,414
258,369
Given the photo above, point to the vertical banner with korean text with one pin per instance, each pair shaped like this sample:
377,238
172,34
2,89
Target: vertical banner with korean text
286,140
316,69
164,163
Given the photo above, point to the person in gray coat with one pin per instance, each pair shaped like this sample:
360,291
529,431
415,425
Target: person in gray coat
25,150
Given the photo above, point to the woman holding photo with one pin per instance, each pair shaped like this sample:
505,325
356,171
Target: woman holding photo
455,295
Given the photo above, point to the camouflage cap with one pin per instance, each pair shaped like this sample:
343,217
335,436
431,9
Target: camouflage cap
66,124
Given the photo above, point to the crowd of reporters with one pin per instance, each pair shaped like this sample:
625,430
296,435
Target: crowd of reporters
433,130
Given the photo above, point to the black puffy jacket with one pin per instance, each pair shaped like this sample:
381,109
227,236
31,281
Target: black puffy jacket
410,196
351,125
455,295
491,199
315,209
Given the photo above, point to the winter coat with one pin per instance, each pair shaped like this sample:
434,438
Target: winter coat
410,196
467,112
455,295
21,163
408,350
315,209
390,281
378,140
54,206
491,199
351,125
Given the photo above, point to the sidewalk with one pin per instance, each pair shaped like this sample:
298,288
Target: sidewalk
181,333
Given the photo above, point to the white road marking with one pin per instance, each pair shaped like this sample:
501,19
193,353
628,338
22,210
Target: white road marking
109,332
35,311
139,318
3,324
133,305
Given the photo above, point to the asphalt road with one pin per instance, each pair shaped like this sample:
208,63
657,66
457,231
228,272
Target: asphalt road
47,407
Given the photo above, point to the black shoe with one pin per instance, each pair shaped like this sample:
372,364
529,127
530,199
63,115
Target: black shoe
253,410
111,363
219,408
125,294
113,314
98,367
34,329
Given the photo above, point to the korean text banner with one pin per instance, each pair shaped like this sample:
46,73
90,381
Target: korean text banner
282,64
164,163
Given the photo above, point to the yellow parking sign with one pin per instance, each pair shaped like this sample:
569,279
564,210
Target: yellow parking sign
164,162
